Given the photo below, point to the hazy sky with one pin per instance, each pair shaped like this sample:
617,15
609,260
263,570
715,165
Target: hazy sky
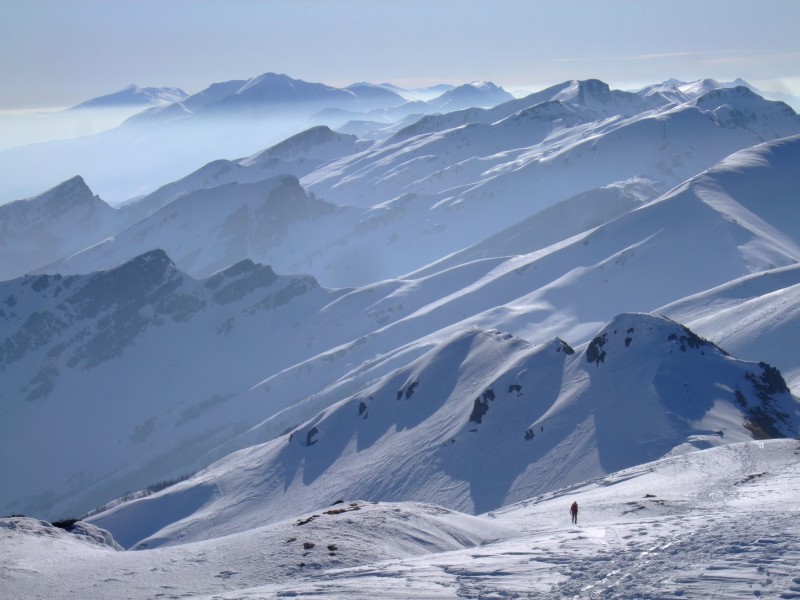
56,53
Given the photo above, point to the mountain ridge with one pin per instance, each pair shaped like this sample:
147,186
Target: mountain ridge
482,389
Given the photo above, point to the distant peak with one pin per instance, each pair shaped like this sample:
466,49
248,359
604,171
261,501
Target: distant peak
484,85
582,90
594,86
268,79
77,180
725,95
74,188
154,257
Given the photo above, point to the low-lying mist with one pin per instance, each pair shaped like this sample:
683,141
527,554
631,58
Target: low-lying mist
120,159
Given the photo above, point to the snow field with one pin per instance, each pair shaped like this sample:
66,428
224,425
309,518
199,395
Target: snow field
719,523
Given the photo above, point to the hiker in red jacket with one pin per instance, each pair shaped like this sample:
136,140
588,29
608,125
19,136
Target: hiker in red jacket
573,510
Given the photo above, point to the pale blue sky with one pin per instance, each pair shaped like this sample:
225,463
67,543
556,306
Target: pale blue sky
60,52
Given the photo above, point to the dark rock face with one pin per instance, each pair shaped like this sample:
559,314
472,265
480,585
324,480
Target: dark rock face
239,280
481,406
594,352
97,315
409,391
769,382
689,339
310,441
564,347
764,419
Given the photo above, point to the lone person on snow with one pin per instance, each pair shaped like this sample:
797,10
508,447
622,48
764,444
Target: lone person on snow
573,510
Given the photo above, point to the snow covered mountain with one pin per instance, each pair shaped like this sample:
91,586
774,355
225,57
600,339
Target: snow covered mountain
164,143
418,94
756,317
133,95
427,193
476,94
132,372
40,230
270,220
530,148
272,92
297,155
160,144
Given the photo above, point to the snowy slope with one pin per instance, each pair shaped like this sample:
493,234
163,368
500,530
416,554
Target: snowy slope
756,317
555,223
716,523
567,289
133,373
531,149
268,221
346,535
417,229
481,420
38,231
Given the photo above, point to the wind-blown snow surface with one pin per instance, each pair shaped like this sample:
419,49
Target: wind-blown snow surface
720,523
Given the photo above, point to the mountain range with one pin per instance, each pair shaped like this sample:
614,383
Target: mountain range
490,301
163,142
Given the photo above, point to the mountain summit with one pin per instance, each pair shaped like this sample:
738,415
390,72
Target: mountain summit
36,231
